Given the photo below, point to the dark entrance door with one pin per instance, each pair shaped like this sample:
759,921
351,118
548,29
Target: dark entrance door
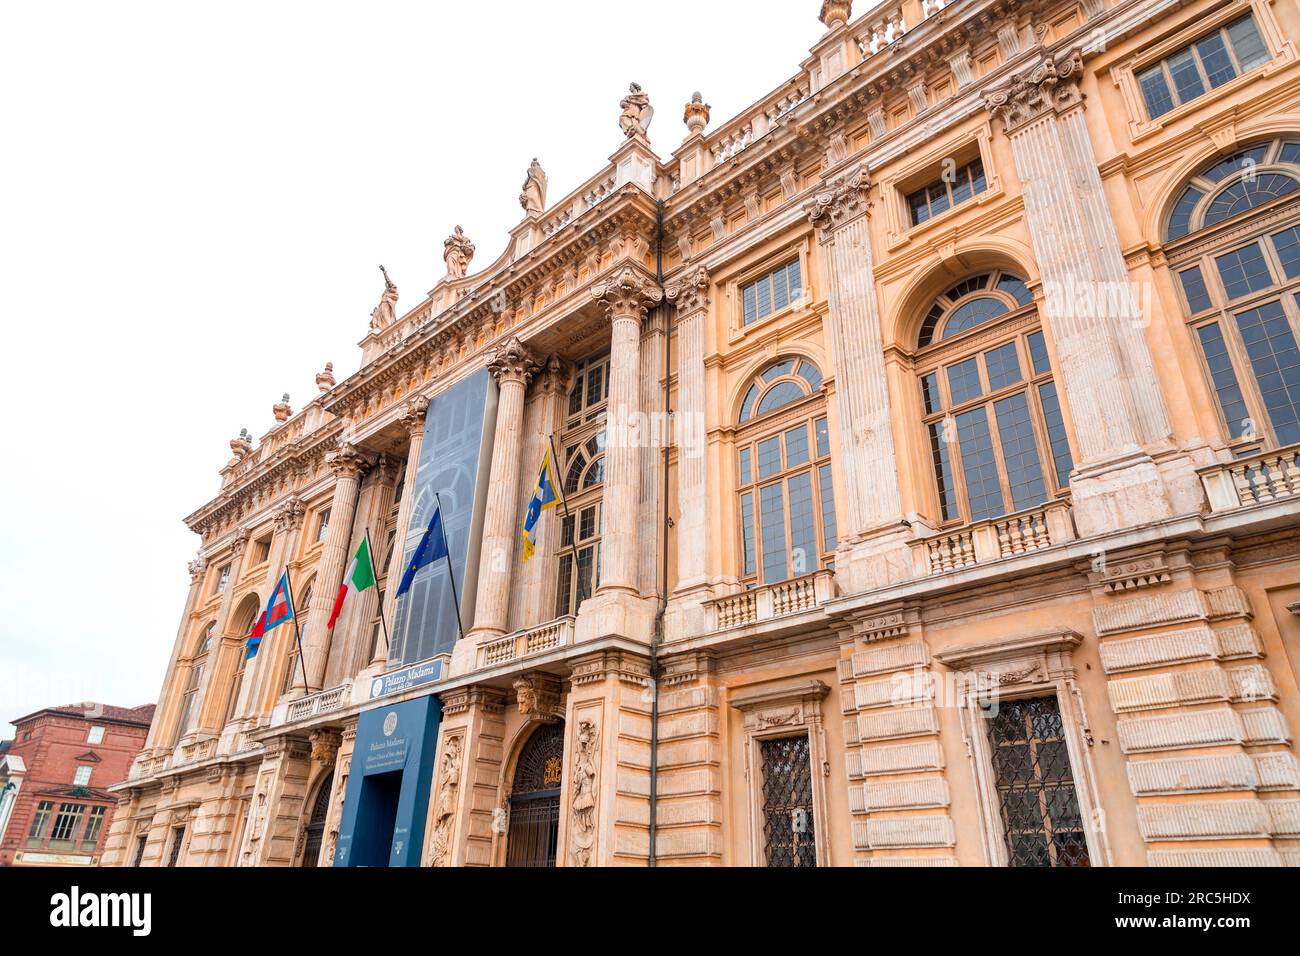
535,800
316,823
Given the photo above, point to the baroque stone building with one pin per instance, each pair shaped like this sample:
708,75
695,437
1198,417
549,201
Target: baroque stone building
928,435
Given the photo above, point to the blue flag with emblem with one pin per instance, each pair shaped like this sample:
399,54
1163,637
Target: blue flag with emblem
433,547
544,498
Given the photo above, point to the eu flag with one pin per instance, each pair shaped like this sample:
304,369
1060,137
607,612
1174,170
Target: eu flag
433,547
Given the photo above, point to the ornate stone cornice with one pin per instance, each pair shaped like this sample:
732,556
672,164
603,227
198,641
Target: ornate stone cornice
842,201
627,293
1049,86
348,461
690,293
513,362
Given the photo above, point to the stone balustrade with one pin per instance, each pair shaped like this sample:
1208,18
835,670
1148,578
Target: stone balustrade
316,705
737,135
538,640
993,539
1255,480
770,601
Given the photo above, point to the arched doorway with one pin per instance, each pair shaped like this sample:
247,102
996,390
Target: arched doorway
320,809
535,800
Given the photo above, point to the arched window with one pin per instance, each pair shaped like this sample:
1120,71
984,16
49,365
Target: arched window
582,447
992,413
785,496
194,680
1234,236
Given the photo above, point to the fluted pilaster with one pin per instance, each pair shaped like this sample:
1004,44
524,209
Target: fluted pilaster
690,295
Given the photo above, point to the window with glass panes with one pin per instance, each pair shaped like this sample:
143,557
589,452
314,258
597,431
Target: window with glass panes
41,820
785,494
582,451
1241,292
771,292
993,416
189,703
67,822
1204,65
223,579
94,827
946,192
291,668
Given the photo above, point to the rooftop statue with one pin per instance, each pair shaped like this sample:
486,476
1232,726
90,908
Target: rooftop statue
458,251
637,113
385,313
533,198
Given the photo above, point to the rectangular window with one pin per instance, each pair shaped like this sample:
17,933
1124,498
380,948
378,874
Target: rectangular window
789,838
1003,366
829,529
1038,353
1225,382
746,466
95,736
82,776
1198,296
964,381
94,826
943,471
978,465
771,516
747,530
1243,271
1210,62
1020,451
769,456
823,438
803,531
140,843
1273,355
930,397
772,292
262,551
223,579
1035,785
323,526
178,840
1061,456
67,822
796,446
41,820
951,189
1287,244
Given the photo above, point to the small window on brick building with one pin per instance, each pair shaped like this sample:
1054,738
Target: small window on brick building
41,820
94,827
82,776
96,735
67,822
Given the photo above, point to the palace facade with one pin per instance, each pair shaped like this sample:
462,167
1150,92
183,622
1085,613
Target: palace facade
928,435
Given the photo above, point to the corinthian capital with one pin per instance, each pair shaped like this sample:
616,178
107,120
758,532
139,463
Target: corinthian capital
349,461
413,417
196,568
513,362
842,201
289,515
627,293
1050,85
690,293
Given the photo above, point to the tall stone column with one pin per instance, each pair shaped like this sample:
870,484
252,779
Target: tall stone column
413,421
237,549
351,649
198,570
1094,314
626,298
868,501
258,694
513,367
535,584
348,464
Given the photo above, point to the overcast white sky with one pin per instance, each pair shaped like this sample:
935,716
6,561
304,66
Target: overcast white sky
194,200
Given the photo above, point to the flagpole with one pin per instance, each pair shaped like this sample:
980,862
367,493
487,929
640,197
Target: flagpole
297,637
446,550
370,553
564,501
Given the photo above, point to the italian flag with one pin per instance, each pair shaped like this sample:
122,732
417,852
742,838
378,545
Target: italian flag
360,576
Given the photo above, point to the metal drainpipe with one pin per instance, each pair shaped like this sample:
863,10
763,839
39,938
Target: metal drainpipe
663,572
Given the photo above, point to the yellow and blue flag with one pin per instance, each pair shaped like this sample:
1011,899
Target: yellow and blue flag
544,498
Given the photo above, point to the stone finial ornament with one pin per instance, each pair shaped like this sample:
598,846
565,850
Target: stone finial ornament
697,115
282,411
637,113
385,313
533,198
457,252
836,13
325,380
242,446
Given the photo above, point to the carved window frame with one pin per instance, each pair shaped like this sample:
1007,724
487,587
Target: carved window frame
976,144
1124,73
736,327
773,713
1022,668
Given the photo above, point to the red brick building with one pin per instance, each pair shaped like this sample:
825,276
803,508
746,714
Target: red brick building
55,808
